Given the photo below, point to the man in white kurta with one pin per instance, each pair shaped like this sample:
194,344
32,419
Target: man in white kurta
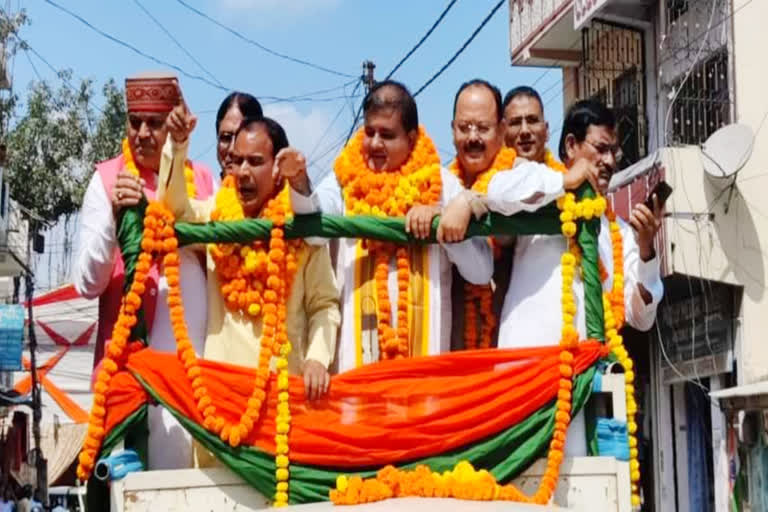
387,107
532,314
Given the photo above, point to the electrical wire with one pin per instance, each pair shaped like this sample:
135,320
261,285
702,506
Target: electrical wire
423,38
135,49
261,46
463,47
176,42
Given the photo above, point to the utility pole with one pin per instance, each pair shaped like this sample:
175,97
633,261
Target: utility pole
368,83
368,80
41,464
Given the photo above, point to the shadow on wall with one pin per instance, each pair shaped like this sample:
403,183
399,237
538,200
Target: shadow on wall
738,236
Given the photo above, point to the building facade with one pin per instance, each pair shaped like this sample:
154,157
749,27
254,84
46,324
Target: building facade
684,78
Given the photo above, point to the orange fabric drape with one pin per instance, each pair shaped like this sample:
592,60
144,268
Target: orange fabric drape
381,413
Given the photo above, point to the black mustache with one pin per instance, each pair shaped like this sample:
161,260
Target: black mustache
474,146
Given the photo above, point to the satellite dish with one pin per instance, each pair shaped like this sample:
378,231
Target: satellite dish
727,150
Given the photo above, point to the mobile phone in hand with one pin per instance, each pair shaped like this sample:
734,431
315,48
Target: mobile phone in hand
662,191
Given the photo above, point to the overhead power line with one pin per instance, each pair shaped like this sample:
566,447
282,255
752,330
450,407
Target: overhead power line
423,38
270,51
176,42
463,47
134,49
405,58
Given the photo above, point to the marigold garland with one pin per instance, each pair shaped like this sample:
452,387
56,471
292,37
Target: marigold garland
159,239
480,296
244,270
119,346
390,194
130,166
282,428
466,483
613,305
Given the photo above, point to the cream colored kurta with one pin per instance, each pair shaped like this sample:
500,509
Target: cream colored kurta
313,305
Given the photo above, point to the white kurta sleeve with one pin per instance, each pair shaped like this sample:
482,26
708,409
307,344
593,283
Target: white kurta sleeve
527,187
98,241
325,198
636,272
473,257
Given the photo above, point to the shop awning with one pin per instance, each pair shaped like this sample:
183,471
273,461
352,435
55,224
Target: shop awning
746,397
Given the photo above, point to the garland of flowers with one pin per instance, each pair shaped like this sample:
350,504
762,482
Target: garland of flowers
503,161
119,347
480,296
244,270
189,172
613,304
464,482
390,194
159,238
282,428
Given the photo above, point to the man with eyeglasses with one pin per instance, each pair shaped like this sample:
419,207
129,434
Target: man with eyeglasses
589,149
490,136
99,272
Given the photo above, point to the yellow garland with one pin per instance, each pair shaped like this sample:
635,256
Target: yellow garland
189,172
613,305
282,428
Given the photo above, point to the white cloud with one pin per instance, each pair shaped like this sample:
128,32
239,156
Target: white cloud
309,132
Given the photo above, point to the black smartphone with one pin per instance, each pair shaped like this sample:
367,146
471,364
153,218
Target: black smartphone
662,191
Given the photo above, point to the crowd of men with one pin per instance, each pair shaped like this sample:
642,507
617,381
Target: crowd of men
336,306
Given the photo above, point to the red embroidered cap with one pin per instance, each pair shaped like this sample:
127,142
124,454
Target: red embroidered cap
152,92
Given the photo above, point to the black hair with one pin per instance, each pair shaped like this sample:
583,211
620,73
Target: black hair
525,91
275,132
479,82
580,117
248,106
403,102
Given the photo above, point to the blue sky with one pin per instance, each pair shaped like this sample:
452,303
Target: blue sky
337,34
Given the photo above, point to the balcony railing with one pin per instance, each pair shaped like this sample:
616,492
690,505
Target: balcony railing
527,18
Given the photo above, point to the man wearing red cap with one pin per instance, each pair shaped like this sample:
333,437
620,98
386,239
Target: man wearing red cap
99,270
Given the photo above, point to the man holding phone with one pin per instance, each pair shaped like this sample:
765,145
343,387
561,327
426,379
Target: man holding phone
590,151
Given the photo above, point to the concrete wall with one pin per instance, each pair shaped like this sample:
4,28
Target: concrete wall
732,247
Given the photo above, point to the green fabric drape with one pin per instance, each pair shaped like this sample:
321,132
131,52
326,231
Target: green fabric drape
389,229
593,286
505,454
130,229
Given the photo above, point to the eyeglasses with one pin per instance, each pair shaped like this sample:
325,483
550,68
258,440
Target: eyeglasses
606,149
226,138
153,122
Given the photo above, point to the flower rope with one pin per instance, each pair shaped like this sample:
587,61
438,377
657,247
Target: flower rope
390,194
464,481
480,296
